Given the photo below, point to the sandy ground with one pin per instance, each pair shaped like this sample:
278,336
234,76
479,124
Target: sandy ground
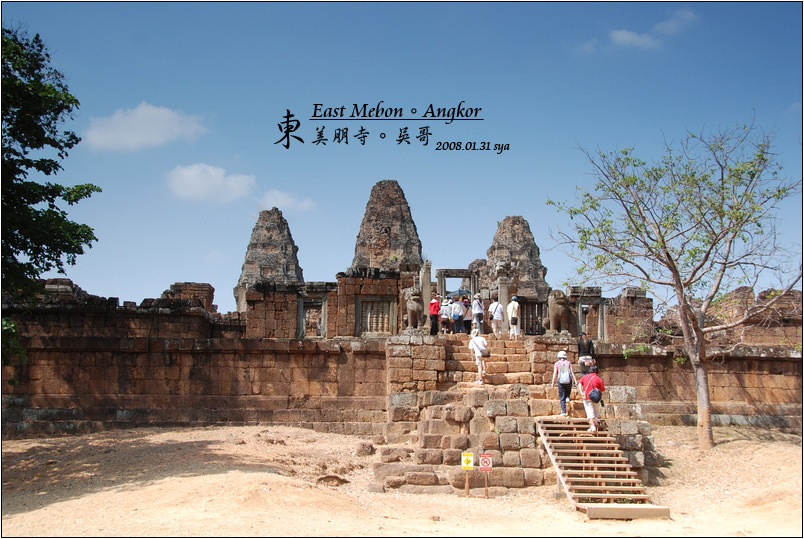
282,481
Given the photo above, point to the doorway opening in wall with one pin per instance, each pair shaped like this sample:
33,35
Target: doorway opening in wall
313,321
455,289
457,294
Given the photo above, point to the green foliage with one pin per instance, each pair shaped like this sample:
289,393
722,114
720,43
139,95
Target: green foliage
640,349
12,349
37,235
699,218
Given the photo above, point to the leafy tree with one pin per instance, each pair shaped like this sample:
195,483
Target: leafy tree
37,236
697,222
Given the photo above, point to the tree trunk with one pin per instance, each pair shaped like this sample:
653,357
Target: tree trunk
706,439
695,346
696,350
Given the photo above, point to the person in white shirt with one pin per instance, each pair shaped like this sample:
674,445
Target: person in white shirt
479,346
513,318
457,315
562,372
496,314
478,312
445,317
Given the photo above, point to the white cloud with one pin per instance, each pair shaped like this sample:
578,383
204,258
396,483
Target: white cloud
680,20
285,201
205,182
627,38
675,24
141,127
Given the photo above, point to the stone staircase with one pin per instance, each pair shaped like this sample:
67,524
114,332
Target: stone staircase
428,431
508,363
425,455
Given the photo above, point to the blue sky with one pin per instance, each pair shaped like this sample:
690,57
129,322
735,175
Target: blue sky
180,104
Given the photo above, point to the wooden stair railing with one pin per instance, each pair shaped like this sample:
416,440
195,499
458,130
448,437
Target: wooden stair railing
593,471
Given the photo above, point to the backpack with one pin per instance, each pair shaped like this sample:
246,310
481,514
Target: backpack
595,395
564,375
478,345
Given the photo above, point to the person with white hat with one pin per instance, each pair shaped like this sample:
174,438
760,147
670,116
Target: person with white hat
479,346
513,318
562,370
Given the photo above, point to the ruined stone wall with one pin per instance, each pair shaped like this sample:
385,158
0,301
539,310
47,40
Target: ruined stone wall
73,384
416,363
68,311
778,325
355,290
202,292
755,385
628,318
153,317
272,312
169,360
363,303
80,384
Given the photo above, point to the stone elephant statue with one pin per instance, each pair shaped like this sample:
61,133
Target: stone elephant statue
558,311
414,306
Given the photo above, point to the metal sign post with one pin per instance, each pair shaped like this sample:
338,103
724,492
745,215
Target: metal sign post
467,465
485,462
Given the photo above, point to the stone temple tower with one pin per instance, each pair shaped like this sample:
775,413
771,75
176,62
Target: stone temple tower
514,255
388,238
270,256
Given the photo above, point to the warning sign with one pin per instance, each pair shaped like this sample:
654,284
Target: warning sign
484,462
467,461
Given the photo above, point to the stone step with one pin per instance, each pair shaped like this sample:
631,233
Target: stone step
623,510
468,355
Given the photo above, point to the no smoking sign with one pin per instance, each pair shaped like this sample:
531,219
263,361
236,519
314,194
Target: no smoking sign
484,462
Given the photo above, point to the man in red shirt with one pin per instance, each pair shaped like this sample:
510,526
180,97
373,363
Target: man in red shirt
587,383
435,307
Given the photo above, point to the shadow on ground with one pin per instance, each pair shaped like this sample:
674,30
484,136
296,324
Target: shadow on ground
66,468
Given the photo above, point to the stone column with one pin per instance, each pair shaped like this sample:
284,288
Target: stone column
502,290
442,284
602,334
580,319
301,326
424,280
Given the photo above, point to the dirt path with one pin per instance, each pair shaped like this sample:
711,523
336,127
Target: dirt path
258,481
